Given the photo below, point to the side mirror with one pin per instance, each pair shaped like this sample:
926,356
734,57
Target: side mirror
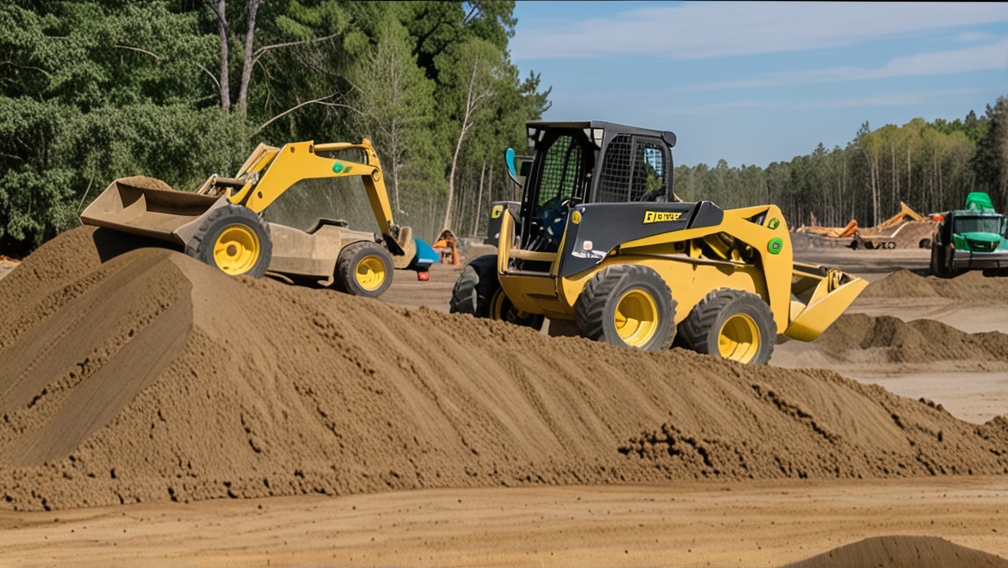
509,159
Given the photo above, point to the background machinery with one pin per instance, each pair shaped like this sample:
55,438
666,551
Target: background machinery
222,223
972,238
600,239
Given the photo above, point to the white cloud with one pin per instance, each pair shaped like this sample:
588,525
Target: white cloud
979,58
889,100
699,31
975,36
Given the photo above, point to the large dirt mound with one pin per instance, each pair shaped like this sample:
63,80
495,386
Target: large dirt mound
860,338
155,377
971,287
903,552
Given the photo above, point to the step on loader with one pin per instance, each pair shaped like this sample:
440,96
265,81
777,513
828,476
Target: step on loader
600,239
222,223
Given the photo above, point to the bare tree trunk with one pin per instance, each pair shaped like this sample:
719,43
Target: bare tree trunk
895,179
873,174
252,7
843,188
479,200
473,100
220,12
909,178
941,187
457,213
490,188
394,130
395,165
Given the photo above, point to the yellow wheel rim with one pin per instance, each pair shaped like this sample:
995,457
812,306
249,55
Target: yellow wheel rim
370,273
236,249
636,318
739,338
497,306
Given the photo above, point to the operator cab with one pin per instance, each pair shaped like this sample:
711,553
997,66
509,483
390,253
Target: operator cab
589,162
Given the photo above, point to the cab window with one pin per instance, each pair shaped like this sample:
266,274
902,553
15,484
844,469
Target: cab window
632,167
561,174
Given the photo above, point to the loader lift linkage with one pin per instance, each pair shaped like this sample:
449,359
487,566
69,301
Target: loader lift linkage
222,223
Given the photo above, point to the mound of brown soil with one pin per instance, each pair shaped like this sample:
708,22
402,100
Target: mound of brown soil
971,287
885,339
901,284
903,552
155,377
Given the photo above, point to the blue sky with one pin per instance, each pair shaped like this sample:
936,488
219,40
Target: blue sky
755,83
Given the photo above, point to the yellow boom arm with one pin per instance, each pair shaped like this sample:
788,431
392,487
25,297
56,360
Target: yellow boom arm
270,171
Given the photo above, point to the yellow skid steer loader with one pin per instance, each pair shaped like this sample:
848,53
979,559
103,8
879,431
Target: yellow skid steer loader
222,224
600,239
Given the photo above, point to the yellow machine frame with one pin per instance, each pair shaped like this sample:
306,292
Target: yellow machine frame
149,207
804,299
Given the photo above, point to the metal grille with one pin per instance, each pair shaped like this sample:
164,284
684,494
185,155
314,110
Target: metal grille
623,179
612,185
648,171
561,170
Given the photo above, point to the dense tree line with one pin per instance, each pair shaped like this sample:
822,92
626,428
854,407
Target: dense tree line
92,90
929,165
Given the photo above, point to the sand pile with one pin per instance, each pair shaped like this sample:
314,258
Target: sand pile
903,552
860,338
153,377
971,287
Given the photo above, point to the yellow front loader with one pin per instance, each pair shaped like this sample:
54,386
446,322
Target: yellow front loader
222,224
600,239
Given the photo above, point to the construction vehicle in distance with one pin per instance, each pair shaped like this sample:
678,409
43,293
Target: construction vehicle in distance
222,223
599,238
972,238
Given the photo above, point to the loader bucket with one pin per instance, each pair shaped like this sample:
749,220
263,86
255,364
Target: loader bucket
149,207
818,297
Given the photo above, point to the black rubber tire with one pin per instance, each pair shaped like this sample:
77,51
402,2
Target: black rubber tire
924,244
474,287
702,327
350,258
201,245
939,265
478,292
595,308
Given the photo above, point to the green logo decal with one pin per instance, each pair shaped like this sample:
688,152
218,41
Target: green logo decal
775,245
337,167
348,168
774,223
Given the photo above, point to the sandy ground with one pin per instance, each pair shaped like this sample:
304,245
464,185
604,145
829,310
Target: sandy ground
688,524
751,524
968,395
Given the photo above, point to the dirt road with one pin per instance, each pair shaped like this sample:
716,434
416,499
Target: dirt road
736,524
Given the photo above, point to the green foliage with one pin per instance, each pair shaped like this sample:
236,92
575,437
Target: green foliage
55,158
91,90
930,166
393,103
991,159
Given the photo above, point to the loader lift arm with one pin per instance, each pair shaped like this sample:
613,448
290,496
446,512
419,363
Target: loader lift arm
222,223
269,171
